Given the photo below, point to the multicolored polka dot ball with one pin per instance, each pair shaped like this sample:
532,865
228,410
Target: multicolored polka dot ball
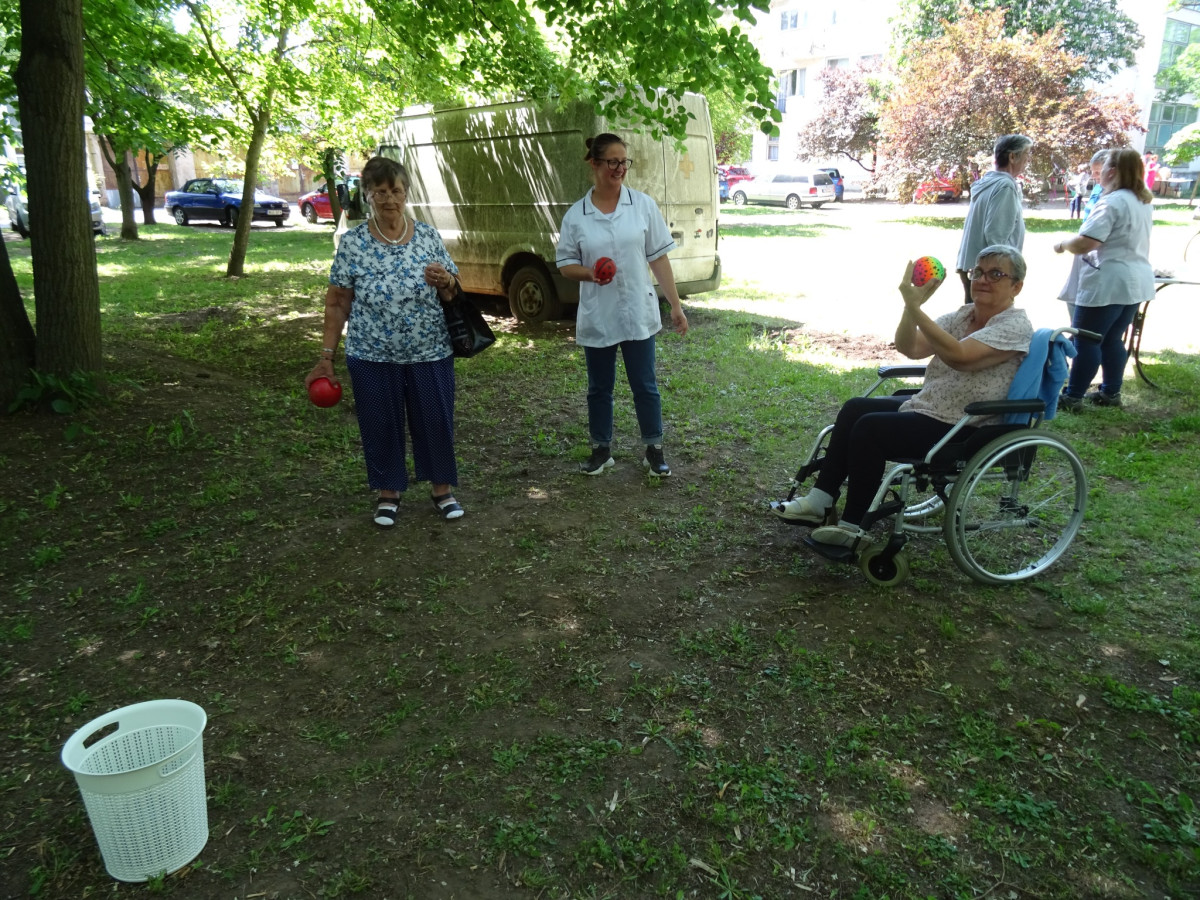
926,269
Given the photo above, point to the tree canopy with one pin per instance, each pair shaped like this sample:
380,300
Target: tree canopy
1095,30
961,90
848,124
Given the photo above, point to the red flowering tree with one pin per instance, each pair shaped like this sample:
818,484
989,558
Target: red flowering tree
849,121
961,90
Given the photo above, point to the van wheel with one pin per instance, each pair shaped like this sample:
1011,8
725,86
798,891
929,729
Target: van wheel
531,296
793,202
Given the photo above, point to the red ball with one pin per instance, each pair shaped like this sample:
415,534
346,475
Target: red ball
605,269
325,393
927,268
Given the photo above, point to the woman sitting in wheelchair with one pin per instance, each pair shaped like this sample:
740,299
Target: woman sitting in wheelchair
976,351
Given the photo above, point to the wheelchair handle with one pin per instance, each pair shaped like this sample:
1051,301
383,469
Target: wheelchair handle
1081,332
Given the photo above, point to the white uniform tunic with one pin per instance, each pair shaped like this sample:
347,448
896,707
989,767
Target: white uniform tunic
1122,272
634,234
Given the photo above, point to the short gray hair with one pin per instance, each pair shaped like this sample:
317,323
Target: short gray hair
1100,156
381,170
1007,145
1012,254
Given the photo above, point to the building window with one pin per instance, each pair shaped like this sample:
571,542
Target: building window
1165,120
773,148
788,20
839,63
1176,38
800,77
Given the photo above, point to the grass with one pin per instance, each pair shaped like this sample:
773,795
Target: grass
589,687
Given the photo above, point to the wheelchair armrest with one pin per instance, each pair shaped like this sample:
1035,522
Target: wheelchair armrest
1004,407
902,371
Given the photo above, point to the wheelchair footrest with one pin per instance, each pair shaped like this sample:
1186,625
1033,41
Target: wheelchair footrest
831,553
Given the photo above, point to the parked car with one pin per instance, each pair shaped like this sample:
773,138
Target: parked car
839,183
734,174
220,200
937,189
18,215
792,189
315,205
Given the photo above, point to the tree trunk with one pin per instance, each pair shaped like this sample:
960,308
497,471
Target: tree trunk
329,168
118,161
148,192
16,334
50,88
259,120
241,237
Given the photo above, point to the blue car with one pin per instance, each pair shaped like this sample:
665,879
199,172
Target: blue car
220,200
839,183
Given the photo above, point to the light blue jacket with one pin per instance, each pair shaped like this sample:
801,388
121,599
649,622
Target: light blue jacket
1041,374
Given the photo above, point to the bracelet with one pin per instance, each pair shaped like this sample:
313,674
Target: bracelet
329,349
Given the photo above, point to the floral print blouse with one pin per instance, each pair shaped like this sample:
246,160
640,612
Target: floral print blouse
395,316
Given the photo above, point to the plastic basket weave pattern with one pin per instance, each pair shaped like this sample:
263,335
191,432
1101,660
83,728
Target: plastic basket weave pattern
143,786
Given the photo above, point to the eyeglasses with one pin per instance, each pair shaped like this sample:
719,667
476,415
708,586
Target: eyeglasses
396,194
614,164
991,276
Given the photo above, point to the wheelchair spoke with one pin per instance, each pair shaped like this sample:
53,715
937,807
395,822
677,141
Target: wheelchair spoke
1016,507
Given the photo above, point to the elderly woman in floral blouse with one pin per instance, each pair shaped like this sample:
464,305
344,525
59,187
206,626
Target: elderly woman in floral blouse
387,279
976,351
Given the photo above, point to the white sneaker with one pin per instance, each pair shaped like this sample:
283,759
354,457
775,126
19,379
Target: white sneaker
839,535
800,511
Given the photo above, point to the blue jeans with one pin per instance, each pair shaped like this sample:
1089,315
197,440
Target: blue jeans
602,378
1109,355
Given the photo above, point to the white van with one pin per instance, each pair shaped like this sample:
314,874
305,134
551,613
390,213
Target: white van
496,181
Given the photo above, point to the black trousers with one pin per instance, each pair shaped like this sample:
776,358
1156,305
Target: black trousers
867,433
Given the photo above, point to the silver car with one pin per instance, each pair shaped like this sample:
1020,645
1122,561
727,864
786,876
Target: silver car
792,189
18,216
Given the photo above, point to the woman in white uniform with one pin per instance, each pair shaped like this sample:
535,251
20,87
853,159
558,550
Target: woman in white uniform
619,311
1114,242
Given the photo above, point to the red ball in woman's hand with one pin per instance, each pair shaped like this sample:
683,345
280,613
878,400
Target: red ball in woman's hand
324,392
604,270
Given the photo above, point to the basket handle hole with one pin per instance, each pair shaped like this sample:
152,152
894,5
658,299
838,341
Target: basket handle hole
96,736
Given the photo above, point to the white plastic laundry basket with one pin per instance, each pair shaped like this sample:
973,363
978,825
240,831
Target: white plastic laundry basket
143,786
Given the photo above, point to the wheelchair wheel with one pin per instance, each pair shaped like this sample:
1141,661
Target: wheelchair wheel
881,571
923,507
1015,508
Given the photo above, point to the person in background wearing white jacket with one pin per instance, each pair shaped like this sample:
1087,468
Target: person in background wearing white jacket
994,216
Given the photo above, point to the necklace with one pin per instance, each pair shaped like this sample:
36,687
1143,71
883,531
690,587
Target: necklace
403,234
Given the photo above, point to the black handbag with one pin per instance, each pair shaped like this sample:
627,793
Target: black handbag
469,331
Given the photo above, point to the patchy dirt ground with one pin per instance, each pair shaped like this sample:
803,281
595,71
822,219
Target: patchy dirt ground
603,687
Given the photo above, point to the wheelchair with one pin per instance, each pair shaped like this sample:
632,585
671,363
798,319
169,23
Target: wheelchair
1008,499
